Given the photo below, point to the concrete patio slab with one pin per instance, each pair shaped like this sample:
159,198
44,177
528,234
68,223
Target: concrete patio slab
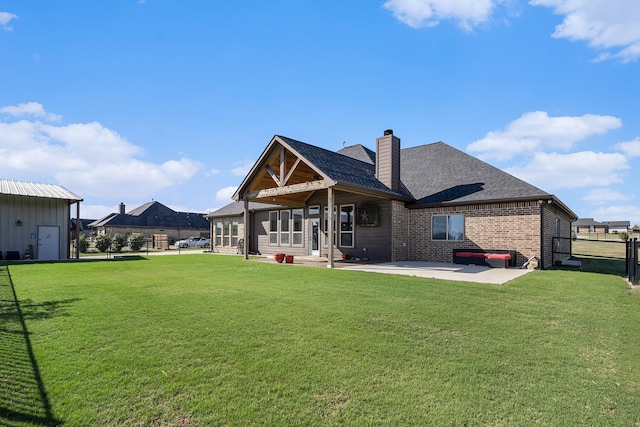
445,271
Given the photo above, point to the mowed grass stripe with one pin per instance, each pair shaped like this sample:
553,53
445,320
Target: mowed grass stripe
215,340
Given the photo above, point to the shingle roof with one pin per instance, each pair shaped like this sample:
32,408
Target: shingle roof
583,222
359,152
33,189
342,169
440,174
237,208
156,215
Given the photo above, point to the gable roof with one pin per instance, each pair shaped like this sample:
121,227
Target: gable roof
33,189
440,174
335,169
154,214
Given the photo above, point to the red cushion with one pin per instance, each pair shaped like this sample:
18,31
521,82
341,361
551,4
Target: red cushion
464,254
478,255
505,257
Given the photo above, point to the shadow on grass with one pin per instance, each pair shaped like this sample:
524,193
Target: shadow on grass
23,397
111,258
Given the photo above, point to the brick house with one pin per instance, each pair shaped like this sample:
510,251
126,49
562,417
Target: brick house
153,218
418,203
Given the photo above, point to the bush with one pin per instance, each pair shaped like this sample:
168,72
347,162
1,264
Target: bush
84,244
103,242
119,242
136,241
624,236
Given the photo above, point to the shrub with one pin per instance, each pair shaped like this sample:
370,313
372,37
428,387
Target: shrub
136,241
624,236
119,242
84,244
103,242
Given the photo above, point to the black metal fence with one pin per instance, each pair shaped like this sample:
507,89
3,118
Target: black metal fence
632,261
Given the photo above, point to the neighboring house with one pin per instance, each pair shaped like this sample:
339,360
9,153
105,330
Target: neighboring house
618,226
153,218
418,203
588,225
84,229
34,220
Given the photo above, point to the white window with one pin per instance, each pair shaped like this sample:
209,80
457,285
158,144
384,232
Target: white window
326,226
273,228
218,234
225,234
314,210
297,226
447,227
285,217
346,226
234,233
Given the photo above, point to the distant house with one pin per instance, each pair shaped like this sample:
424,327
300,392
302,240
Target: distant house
153,218
589,225
34,220
618,226
418,203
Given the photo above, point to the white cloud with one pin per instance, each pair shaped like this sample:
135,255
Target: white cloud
582,169
629,148
212,172
607,25
617,213
243,169
87,158
429,13
599,196
30,109
225,194
5,18
537,131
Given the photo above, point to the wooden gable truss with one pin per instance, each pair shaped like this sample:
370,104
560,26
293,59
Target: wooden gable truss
282,176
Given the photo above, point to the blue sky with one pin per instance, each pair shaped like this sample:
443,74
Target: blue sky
131,100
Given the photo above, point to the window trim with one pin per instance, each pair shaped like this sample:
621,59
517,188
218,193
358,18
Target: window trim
447,225
276,231
299,233
352,222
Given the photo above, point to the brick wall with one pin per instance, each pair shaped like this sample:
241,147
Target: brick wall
399,231
555,224
512,226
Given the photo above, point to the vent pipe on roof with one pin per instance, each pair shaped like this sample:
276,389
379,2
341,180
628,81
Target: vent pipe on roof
122,209
388,160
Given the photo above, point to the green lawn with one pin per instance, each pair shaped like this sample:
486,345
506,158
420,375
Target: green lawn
215,340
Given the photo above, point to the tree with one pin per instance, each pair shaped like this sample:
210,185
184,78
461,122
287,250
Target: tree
84,244
136,241
119,242
103,242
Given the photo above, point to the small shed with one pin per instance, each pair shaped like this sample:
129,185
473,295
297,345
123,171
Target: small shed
34,220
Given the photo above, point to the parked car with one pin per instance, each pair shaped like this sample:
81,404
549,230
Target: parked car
194,242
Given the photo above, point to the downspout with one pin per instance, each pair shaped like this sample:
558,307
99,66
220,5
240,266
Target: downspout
541,203
247,235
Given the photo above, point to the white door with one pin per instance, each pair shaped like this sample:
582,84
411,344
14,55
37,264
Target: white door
314,236
48,242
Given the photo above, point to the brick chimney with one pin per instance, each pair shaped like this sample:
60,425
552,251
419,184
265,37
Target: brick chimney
122,209
388,160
